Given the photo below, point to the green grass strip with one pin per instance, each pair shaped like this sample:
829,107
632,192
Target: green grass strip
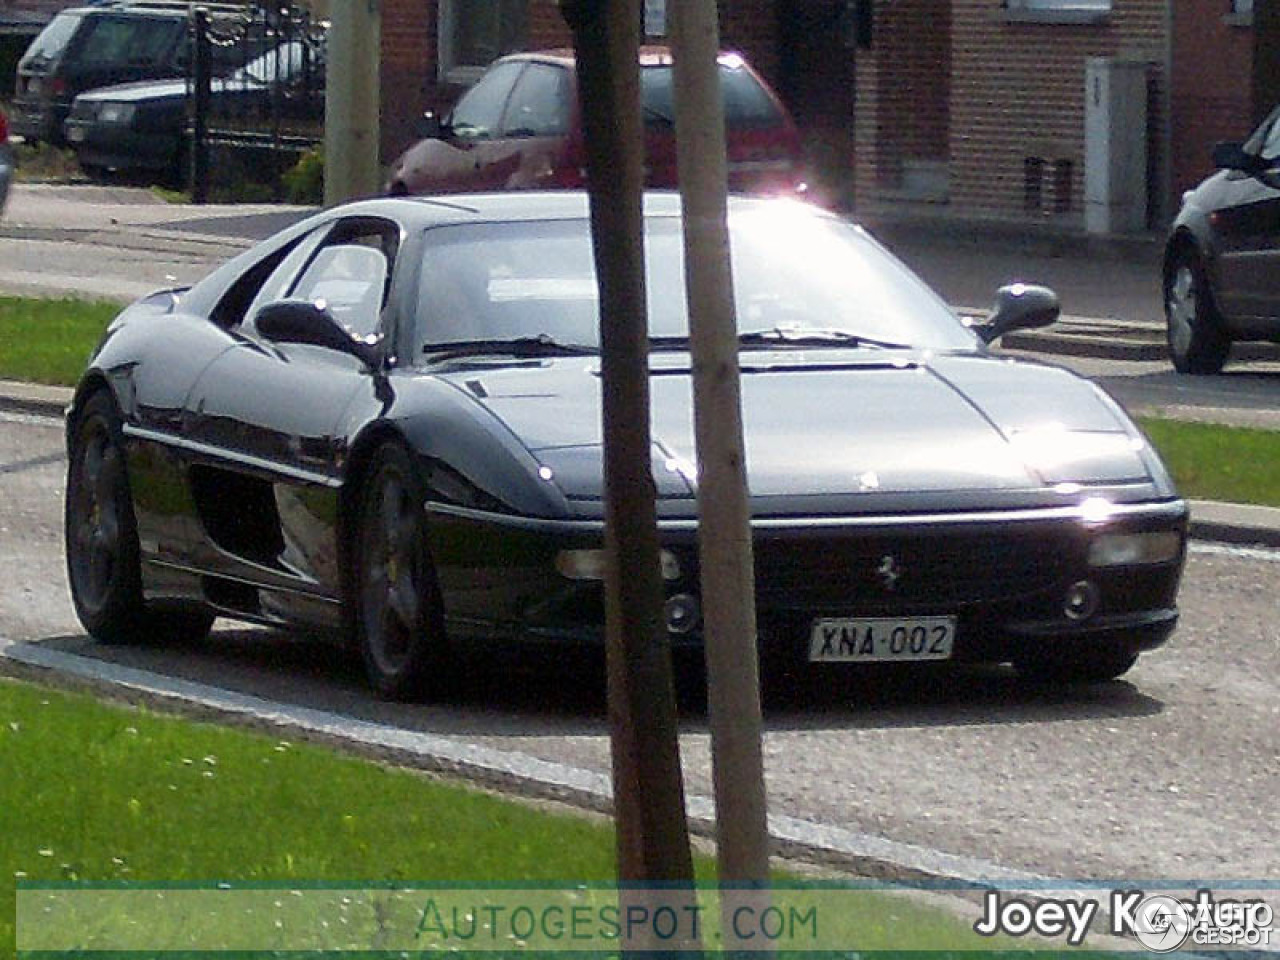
49,341
1209,461
102,793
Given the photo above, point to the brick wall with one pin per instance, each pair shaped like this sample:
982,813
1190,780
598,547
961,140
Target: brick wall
1213,58
903,94
408,71
1018,91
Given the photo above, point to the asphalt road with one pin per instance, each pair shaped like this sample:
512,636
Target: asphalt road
1171,773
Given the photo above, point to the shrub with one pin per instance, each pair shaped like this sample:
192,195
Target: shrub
304,182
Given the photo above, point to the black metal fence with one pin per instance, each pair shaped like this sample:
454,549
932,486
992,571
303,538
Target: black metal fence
263,105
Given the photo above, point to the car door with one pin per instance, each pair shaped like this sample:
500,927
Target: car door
1247,227
271,411
463,157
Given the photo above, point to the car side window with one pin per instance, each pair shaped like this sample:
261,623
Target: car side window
351,273
479,112
273,286
349,279
539,103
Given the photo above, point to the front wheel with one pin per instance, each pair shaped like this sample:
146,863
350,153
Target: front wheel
399,618
1082,666
1198,341
103,556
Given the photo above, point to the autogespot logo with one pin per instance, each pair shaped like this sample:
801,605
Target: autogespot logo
1162,924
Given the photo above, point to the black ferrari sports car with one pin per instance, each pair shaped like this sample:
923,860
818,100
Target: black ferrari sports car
385,421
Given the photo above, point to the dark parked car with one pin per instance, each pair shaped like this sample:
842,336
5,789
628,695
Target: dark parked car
141,127
93,46
385,421
518,128
1222,260
6,160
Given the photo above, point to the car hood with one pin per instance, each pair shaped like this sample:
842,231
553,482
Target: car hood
822,426
148,90
134,92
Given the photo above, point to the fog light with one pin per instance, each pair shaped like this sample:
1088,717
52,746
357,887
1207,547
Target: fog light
1082,601
591,564
682,613
1127,549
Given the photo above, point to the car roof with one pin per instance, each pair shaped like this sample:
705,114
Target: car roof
651,55
420,212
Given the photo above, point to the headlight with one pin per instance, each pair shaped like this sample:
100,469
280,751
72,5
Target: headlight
1129,549
116,112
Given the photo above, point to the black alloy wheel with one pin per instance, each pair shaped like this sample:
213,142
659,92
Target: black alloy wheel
399,618
103,556
1198,341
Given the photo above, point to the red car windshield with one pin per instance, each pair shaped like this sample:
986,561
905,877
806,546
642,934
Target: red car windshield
746,103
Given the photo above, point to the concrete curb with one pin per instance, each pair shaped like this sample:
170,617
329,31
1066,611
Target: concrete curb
1234,523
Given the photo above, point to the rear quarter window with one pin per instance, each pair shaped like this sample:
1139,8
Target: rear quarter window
53,39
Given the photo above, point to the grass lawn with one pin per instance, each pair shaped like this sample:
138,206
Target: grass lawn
48,341
1235,464
107,793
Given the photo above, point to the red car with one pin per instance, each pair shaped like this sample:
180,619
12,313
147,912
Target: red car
6,159
519,128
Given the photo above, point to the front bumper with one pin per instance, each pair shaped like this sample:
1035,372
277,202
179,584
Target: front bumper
119,147
1004,577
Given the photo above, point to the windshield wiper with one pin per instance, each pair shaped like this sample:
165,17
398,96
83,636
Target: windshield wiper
813,337
542,345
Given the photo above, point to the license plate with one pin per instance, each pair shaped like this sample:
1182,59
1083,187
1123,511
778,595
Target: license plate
76,134
868,639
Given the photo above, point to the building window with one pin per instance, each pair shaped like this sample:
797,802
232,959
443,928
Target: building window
474,33
1058,11
1242,6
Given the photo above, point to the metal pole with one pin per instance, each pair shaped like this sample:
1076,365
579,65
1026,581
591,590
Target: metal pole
652,832
201,85
724,510
351,130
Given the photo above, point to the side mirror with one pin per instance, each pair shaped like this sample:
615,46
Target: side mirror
429,127
310,322
1019,306
1233,156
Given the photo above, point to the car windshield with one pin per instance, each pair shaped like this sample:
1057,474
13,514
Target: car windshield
802,280
52,40
746,103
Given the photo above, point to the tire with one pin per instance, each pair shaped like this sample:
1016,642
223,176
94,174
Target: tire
399,619
96,172
1198,341
1086,666
103,556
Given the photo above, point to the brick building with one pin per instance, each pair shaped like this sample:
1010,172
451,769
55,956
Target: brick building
971,107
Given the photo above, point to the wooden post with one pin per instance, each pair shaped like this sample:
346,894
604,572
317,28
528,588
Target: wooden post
724,510
351,106
652,833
